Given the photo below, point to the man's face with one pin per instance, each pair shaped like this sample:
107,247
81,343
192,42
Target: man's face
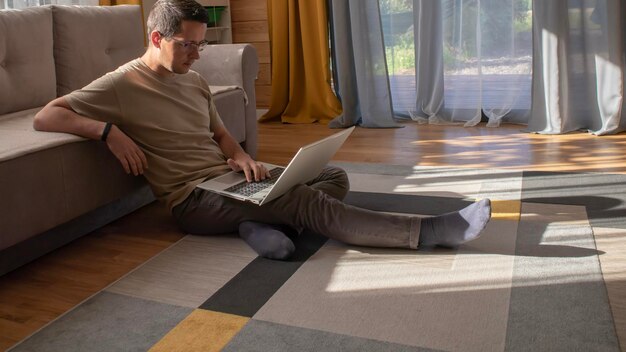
176,55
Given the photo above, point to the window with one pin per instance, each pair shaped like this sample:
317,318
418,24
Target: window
22,4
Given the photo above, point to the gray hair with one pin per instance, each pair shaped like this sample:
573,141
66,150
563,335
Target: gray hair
167,15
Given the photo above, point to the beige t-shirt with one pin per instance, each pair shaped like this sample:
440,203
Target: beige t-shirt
170,119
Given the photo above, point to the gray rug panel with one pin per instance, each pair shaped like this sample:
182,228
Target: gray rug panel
265,336
251,288
563,317
604,195
107,322
558,300
188,272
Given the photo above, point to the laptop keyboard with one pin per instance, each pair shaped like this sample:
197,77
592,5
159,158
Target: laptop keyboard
249,188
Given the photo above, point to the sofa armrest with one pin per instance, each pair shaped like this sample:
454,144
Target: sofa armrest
234,64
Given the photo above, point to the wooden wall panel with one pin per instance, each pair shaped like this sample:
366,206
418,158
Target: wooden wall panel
250,32
263,50
265,74
248,10
250,25
263,95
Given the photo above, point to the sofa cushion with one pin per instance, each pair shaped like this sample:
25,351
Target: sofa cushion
27,77
19,138
115,36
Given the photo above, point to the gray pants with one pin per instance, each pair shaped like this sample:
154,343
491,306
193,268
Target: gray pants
315,206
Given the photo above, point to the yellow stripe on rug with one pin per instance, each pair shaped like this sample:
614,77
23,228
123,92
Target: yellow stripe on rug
506,209
202,330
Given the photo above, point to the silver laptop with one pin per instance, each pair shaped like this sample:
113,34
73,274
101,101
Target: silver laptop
305,166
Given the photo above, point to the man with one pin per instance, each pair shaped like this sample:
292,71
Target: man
158,118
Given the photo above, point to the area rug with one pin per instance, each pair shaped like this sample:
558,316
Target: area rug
546,275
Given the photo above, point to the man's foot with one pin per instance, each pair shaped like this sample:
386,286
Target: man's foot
267,240
453,229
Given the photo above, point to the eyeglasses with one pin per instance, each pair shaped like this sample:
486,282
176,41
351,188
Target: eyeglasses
188,46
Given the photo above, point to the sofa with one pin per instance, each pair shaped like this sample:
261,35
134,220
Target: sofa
56,187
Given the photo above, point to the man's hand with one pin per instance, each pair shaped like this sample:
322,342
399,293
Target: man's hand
58,116
238,159
252,169
126,151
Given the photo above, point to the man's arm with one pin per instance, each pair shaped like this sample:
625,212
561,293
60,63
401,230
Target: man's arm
238,159
58,116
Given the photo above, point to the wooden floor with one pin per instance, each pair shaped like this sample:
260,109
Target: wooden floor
35,294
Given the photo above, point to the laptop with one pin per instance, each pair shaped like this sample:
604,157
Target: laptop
305,166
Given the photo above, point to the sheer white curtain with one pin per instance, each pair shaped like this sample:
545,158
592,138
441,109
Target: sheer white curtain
360,72
453,61
578,80
556,65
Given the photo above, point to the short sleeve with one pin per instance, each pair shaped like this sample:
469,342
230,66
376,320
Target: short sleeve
214,116
98,100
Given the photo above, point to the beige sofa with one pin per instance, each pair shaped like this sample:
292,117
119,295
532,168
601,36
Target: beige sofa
55,187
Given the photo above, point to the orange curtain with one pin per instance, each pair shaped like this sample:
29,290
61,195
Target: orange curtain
301,91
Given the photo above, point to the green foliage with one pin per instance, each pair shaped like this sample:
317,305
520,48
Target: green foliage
523,23
400,59
522,9
459,33
401,56
395,6
452,55
500,20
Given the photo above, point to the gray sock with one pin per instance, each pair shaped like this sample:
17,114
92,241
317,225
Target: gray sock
267,240
453,229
